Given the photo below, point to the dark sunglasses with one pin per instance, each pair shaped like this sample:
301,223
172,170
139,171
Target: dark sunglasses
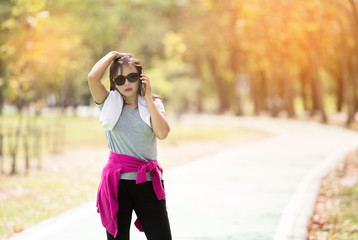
120,79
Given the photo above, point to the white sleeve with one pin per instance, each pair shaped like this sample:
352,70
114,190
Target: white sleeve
159,104
111,110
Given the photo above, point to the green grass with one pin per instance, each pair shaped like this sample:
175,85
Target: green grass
77,131
345,216
336,210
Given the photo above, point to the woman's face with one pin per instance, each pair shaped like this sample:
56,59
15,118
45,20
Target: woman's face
128,89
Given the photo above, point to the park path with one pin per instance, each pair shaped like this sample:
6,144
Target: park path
256,191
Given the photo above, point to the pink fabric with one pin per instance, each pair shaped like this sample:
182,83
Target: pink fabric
107,196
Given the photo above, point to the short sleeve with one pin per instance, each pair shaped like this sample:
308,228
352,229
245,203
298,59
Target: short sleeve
159,104
100,105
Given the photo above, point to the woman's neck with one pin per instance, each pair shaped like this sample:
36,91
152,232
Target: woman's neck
131,101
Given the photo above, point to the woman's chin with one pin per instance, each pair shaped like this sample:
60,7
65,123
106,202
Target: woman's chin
128,93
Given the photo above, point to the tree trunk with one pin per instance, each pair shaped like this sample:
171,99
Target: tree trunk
273,93
317,86
254,91
234,62
351,93
200,93
14,149
1,154
288,92
352,88
233,66
63,96
339,94
37,146
258,91
26,151
219,84
303,87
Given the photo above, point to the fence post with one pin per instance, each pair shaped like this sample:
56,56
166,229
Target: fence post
37,146
13,150
1,155
26,151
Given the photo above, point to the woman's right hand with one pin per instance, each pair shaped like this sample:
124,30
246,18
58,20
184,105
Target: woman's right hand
119,54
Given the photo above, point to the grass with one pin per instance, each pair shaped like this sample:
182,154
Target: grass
78,131
344,216
28,200
335,215
31,200
68,180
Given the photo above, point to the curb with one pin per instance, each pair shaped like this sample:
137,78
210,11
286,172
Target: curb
296,216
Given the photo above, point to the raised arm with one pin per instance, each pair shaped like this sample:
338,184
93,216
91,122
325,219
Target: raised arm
96,87
159,121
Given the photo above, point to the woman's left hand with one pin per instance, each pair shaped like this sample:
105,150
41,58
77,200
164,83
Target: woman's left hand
158,119
146,88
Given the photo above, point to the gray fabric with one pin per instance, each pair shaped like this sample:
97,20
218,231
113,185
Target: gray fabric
132,136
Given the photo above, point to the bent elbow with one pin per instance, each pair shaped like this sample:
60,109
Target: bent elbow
163,134
90,77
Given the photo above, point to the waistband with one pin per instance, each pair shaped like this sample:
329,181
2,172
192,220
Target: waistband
133,164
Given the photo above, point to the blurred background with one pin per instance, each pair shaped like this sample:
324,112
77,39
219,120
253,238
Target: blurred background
240,57
278,58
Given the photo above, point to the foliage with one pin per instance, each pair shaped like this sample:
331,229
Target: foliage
261,52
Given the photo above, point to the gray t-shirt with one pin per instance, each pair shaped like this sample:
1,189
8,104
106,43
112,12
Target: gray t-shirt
132,136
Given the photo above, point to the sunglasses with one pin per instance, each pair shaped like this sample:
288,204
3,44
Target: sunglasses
120,79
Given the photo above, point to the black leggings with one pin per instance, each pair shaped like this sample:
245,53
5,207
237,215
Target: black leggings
151,212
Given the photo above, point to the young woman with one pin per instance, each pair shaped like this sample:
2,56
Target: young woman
133,118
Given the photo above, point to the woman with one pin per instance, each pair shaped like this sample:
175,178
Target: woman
132,179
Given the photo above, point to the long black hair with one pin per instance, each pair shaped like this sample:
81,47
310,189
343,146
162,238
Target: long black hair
118,63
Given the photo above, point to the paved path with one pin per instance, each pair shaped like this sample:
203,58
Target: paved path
262,190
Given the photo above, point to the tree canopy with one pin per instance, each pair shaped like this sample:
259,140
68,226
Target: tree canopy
202,55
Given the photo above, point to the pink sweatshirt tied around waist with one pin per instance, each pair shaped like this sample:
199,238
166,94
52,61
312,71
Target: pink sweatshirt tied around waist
107,196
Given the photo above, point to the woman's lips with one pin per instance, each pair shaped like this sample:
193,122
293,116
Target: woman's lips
128,89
